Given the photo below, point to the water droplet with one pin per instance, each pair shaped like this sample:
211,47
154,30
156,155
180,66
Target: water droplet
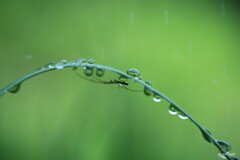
63,61
133,72
122,78
206,136
157,97
61,64
148,83
49,65
139,78
172,109
88,71
79,61
147,91
226,147
100,72
182,115
15,88
91,61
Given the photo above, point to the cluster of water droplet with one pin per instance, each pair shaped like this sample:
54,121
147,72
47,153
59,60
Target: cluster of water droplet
89,70
173,110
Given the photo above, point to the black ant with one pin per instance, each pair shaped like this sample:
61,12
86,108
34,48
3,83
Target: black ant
114,81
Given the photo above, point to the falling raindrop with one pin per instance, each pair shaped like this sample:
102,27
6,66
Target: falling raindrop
15,88
91,61
88,71
226,147
147,91
100,72
157,97
133,72
182,115
206,136
172,109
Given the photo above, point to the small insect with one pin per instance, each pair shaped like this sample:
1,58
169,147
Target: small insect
122,84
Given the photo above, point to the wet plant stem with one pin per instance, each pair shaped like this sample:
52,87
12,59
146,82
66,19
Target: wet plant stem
153,90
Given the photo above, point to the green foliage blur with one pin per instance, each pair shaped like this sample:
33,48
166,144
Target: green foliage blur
188,49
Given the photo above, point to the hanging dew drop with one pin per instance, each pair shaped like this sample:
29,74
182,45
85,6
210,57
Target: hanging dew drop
91,61
182,115
15,88
172,110
88,71
147,91
100,72
133,72
157,97
206,136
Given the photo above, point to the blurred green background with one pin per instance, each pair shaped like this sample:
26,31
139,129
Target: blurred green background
188,49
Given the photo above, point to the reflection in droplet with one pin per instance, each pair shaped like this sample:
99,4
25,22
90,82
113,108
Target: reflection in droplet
100,72
182,115
133,72
147,91
157,97
172,109
88,71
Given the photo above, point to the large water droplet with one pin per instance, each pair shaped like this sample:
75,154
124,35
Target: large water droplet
88,71
91,61
182,115
157,97
15,88
226,147
172,109
133,72
100,72
206,136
